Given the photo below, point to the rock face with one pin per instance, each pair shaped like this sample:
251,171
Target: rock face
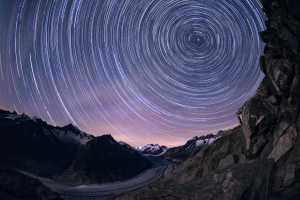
271,120
103,160
193,146
261,158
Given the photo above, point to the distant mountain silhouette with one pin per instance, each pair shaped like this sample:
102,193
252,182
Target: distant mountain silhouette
193,146
103,160
152,149
65,153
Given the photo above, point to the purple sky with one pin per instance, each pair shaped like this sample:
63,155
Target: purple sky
144,71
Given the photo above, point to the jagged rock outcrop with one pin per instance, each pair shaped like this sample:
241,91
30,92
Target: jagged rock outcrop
267,139
271,120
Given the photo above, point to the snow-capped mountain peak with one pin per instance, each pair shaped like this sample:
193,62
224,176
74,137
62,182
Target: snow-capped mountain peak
68,134
152,149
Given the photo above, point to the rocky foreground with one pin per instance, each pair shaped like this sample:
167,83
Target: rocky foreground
261,158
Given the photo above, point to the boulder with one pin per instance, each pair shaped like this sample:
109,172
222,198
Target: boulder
228,160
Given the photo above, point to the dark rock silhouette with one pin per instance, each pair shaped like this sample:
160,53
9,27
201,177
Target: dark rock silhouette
31,145
261,158
15,185
63,153
103,160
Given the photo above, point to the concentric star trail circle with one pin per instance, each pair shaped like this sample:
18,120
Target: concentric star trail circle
143,71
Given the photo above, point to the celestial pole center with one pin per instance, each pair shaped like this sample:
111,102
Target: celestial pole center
145,71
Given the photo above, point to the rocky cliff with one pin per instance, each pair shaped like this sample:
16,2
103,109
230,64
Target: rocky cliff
261,158
271,120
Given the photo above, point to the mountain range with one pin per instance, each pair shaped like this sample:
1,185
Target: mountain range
152,149
193,146
64,153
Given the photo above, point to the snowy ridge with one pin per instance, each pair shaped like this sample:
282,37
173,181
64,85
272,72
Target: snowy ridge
152,149
33,118
67,134
20,118
191,147
13,117
197,142
125,144
205,141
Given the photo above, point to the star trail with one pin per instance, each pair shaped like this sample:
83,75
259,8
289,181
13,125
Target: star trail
145,71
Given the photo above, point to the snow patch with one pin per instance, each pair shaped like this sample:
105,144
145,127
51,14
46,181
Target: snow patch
211,141
13,117
67,137
199,142
33,118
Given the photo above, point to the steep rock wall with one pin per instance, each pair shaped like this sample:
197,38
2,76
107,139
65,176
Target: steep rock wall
270,120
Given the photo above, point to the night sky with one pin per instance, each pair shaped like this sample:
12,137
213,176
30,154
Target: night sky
145,71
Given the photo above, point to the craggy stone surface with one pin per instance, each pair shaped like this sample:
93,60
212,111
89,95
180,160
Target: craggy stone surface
271,120
269,130
229,160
